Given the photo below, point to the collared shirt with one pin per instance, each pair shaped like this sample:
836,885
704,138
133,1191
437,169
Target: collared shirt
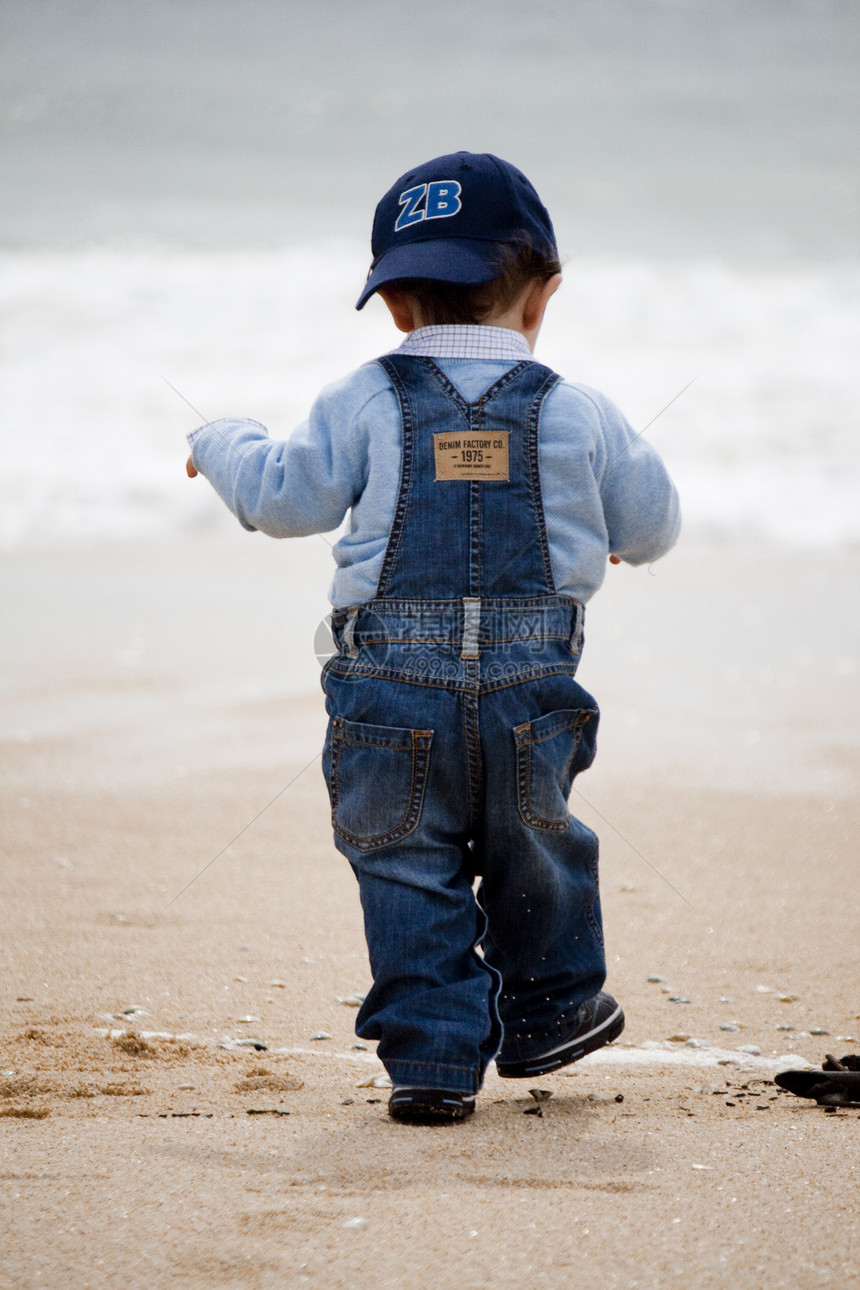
603,487
445,341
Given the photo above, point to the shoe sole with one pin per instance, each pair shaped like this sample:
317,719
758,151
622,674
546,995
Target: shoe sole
429,1106
601,1035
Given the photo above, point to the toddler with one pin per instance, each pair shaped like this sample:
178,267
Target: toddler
484,494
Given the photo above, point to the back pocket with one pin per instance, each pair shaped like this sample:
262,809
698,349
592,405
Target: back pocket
551,751
377,780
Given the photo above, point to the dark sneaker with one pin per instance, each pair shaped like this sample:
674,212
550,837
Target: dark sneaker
429,1105
601,1020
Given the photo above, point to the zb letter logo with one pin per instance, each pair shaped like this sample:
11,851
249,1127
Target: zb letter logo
441,202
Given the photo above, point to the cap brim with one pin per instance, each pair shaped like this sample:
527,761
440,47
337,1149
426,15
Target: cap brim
456,259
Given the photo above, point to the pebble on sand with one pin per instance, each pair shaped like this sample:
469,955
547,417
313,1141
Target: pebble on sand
375,1081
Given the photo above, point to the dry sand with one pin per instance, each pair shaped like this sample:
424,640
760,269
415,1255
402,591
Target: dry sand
159,705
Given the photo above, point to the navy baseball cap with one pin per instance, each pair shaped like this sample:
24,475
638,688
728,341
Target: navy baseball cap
445,220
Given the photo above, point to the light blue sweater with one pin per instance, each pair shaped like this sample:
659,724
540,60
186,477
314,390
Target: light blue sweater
605,490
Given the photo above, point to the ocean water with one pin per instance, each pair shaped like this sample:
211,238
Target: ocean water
188,190
763,443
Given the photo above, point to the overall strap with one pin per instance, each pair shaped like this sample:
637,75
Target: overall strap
468,520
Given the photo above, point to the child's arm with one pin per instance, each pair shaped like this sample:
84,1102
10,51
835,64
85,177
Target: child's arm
640,502
293,487
605,490
283,488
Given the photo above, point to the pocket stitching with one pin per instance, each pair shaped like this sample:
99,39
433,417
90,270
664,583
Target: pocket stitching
419,748
525,743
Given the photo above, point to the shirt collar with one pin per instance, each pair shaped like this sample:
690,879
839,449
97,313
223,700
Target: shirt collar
449,341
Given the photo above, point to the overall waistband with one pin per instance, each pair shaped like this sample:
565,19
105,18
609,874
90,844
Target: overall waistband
474,624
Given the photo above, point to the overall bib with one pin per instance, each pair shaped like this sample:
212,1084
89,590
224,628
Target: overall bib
456,729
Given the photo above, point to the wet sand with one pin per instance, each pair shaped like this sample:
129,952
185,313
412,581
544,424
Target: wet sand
168,873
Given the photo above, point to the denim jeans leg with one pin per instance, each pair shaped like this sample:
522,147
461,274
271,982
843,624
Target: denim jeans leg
395,765
539,863
432,1003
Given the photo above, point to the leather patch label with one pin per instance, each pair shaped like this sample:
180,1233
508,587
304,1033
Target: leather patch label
472,456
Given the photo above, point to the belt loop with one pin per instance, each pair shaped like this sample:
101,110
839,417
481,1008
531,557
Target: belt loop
471,626
576,634
349,633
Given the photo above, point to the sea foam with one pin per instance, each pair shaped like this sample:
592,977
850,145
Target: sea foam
762,441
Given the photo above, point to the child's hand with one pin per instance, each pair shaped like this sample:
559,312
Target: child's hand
190,471
613,559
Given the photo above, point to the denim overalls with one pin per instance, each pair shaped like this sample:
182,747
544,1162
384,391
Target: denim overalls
456,729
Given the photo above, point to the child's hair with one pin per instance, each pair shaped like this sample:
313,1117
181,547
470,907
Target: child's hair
472,303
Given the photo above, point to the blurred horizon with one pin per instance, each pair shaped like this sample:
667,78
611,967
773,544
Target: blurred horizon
190,185
651,128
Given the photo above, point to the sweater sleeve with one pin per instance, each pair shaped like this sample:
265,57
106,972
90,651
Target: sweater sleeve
293,487
640,502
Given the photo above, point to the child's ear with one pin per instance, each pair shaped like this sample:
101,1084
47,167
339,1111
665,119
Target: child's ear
401,308
537,300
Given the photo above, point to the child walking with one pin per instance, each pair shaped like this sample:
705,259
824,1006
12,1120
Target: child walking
484,496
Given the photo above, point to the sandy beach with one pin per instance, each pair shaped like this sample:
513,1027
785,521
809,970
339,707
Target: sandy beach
183,1102
172,897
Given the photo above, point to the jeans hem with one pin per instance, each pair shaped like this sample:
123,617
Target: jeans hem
457,1079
